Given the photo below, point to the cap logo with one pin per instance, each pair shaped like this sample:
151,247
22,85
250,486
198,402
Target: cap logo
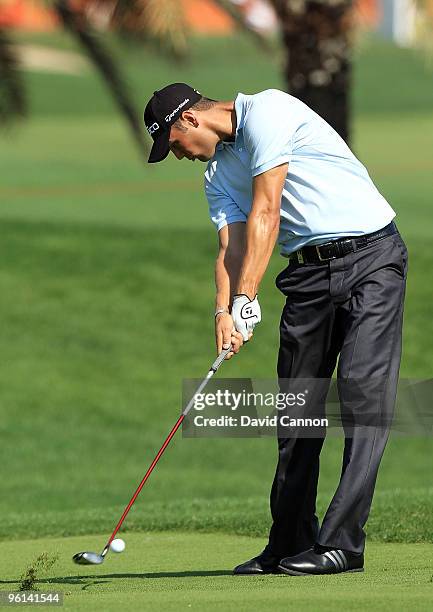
153,128
172,114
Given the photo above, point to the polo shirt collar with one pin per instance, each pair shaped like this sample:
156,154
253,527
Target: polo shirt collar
240,110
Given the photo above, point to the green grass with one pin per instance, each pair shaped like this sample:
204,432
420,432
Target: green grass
399,515
186,571
386,79
208,67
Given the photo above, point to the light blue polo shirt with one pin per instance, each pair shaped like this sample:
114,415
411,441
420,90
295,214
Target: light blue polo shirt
327,193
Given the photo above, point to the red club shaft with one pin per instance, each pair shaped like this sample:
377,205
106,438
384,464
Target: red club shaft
214,367
146,476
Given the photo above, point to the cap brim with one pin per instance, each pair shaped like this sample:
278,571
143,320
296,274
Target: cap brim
160,149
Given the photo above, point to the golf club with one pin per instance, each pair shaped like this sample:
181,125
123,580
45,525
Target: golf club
91,558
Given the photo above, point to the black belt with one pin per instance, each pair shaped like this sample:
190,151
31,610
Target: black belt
338,248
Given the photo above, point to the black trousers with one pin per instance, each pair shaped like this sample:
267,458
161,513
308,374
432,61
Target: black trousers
350,308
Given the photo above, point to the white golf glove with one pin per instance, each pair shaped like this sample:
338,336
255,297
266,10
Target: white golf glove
246,314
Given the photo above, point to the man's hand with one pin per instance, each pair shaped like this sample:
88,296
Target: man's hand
246,314
225,334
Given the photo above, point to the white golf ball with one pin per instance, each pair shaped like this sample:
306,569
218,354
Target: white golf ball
117,545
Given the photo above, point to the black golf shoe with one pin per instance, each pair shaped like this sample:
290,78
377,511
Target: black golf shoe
332,561
265,563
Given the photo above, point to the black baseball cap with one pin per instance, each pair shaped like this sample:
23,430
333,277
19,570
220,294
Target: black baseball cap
163,109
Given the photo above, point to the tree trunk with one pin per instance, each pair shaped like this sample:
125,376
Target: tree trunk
317,39
75,22
13,103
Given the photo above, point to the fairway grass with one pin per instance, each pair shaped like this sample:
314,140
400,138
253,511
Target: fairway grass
172,571
84,170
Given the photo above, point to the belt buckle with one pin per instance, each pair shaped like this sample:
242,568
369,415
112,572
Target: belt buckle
317,247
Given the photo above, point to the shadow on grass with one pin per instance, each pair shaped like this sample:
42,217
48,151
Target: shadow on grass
81,580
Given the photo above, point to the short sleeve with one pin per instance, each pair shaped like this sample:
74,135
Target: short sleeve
268,133
222,209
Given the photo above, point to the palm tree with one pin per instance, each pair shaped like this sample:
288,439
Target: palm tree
317,36
160,22
75,22
12,92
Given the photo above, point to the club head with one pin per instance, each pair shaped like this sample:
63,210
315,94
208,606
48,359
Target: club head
88,558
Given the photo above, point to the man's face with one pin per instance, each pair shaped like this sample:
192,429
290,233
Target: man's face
192,140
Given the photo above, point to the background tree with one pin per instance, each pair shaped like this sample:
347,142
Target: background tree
317,38
12,92
160,23
316,35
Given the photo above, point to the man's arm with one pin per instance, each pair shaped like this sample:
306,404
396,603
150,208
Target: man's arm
227,268
228,263
261,229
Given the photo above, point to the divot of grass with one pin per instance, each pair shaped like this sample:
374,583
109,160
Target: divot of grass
40,566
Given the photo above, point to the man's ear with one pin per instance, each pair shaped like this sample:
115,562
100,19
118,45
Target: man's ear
190,118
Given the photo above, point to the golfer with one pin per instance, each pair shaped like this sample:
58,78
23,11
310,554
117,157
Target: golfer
278,171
